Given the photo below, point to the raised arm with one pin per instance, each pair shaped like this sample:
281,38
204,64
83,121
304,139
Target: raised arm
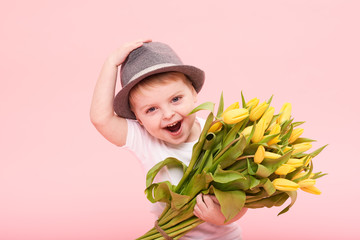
102,115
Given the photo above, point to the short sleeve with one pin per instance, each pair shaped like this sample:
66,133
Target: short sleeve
134,135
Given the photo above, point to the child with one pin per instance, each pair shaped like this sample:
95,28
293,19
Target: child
151,119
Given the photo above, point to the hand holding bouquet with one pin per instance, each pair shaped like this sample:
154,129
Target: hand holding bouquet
246,157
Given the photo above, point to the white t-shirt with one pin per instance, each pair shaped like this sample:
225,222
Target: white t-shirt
150,151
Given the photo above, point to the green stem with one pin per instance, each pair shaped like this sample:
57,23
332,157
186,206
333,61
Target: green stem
203,162
181,228
196,151
216,159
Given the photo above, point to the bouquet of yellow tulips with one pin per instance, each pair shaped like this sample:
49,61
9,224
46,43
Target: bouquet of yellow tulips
247,157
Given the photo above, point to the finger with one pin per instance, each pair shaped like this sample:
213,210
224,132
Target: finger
200,202
208,201
143,40
215,200
197,212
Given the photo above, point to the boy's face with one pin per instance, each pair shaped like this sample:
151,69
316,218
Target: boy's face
163,111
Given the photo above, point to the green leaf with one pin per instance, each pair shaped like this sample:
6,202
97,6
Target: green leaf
307,175
232,134
239,165
318,175
225,176
254,182
263,171
243,100
210,140
285,138
204,106
317,151
231,202
230,156
198,183
268,138
221,106
239,184
292,195
253,197
159,192
277,199
302,140
155,169
272,166
251,149
178,200
162,192
296,124
251,134
268,186
252,167
275,117
196,152
285,125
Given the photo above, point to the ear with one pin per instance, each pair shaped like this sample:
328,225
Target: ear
139,121
195,95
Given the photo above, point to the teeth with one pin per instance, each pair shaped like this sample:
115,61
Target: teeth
171,125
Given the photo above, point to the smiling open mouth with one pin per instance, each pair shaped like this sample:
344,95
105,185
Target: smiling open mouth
174,127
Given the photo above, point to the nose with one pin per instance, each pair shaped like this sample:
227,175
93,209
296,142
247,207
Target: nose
168,113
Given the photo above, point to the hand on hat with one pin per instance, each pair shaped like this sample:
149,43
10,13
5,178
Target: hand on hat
119,55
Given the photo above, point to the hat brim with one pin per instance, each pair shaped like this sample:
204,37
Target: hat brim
121,100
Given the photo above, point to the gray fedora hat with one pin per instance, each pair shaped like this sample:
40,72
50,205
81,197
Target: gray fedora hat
149,59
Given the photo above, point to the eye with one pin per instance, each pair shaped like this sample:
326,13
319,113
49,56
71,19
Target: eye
150,110
176,99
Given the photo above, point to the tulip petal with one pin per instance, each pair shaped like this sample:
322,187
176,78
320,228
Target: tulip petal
311,189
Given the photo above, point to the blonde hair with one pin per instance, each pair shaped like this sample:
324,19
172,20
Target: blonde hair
157,80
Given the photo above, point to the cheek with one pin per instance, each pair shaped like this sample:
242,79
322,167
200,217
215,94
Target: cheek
150,122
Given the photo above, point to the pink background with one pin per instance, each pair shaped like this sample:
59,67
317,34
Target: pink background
61,180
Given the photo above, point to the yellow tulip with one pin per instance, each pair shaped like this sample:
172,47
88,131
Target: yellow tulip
258,111
276,129
295,134
235,115
216,127
259,131
307,182
311,189
246,132
285,113
260,154
301,174
286,149
271,155
284,169
295,162
301,147
283,184
252,103
233,106
309,158
268,115
271,126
